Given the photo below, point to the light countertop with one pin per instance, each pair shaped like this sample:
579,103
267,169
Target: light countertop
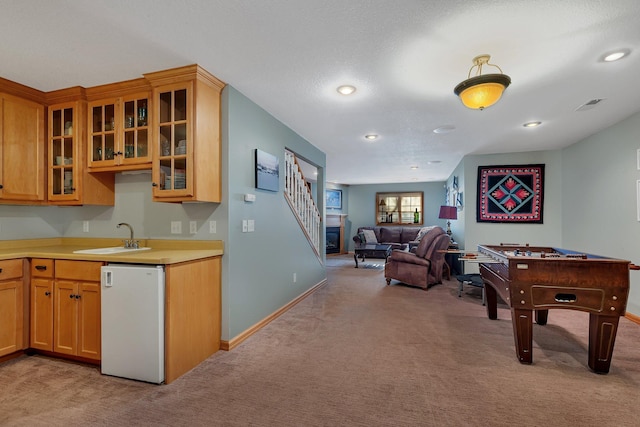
161,252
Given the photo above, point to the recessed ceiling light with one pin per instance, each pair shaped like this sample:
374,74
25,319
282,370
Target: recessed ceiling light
444,129
414,167
346,89
614,56
532,124
433,162
371,136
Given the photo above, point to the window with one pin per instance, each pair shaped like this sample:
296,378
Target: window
399,208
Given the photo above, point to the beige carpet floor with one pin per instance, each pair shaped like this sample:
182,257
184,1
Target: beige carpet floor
356,353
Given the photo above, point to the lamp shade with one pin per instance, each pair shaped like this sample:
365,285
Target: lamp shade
448,212
482,91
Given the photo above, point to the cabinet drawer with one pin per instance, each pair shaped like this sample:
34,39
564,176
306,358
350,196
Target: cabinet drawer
41,267
10,269
78,270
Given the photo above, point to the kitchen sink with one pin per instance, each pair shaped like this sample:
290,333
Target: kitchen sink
109,251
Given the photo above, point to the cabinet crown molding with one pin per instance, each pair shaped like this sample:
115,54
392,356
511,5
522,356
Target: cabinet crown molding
114,90
17,89
180,74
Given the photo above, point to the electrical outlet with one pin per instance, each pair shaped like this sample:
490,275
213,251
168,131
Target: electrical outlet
212,227
85,226
295,277
176,227
245,226
193,227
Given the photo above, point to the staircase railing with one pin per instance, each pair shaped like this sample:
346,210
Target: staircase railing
301,202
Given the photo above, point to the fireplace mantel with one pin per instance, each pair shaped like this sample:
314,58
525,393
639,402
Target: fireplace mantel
337,220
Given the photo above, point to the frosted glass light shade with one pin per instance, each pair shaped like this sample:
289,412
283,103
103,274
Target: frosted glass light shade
482,91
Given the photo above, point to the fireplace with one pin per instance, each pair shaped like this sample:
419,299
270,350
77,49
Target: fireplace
333,240
334,235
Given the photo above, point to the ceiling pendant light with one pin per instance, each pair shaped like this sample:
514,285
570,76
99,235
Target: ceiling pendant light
482,91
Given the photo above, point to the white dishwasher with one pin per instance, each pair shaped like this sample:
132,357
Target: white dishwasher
132,311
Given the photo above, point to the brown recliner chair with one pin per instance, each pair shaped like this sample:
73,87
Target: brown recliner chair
423,267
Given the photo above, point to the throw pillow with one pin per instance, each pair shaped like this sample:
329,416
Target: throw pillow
369,236
423,231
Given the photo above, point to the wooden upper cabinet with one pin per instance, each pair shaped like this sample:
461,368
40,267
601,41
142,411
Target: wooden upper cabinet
22,147
68,177
119,131
186,135
168,121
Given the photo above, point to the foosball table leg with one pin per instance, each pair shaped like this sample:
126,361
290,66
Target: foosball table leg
541,317
523,333
492,301
602,337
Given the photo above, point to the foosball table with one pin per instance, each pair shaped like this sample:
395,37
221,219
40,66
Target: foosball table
535,279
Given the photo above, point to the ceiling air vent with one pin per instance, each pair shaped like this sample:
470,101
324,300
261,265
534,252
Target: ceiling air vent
590,104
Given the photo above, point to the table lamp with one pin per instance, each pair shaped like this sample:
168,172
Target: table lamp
448,213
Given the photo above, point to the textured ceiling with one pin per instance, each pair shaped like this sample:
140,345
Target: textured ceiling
404,56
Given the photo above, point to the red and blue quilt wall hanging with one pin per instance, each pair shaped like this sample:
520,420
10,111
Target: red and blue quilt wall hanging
510,193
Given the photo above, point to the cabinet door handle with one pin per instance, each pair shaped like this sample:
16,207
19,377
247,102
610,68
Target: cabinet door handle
1,187
72,296
77,296
41,267
47,293
153,184
0,270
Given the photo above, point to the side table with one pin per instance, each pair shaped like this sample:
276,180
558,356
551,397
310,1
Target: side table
451,262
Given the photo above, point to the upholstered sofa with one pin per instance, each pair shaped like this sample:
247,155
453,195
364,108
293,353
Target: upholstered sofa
396,236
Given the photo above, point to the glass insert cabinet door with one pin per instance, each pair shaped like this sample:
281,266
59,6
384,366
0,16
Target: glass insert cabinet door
174,140
136,129
62,151
102,131
399,208
119,132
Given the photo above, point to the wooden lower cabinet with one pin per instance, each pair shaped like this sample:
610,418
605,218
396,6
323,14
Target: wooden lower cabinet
42,313
11,306
65,307
65,311
192,314
76,324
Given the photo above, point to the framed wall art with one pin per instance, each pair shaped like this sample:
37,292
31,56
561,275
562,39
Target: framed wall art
333,199
511,193
267,171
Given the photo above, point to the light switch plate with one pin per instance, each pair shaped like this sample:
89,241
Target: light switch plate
85,226
176,227
193,227
212,227
245,226
251,226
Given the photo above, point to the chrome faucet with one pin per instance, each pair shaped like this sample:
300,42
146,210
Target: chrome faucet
129,243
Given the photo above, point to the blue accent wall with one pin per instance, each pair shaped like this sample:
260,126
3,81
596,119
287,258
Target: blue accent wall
258,267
